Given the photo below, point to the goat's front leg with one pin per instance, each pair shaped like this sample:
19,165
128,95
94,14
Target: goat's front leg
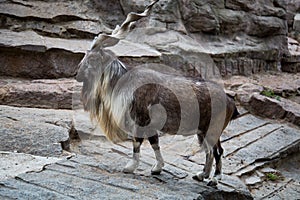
134,163
207,167
158,167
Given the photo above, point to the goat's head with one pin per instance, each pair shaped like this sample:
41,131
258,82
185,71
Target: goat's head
95,61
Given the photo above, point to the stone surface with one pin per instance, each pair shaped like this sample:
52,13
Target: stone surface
263,96
241,38
40,93
47,39
253,180
248,143
275,109
75,179
290,63
26,54
13,164
64,19
296,25
35,131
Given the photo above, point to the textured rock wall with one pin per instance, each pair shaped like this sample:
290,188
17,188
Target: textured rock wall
241,37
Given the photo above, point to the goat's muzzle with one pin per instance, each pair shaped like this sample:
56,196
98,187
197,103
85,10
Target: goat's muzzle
79,77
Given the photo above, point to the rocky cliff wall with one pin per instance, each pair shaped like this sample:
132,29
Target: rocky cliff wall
46,39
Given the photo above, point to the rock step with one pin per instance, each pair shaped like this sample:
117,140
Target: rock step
42,132
29,55
13,164
40,93
74,179
248,143
65,19
275,108
263,96
291,63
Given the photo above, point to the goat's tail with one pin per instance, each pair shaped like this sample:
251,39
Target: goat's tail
235,114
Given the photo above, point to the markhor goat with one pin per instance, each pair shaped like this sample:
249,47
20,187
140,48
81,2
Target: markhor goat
146,101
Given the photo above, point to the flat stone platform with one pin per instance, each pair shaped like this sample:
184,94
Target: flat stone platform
87,166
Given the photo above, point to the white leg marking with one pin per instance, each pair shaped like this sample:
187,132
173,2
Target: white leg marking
133,164
158,167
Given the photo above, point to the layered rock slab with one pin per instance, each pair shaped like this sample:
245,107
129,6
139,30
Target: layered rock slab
90,180
271,95
40,93
249,40
28,55
13,164
35,131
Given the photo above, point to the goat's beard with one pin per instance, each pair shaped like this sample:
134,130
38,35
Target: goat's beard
91,99
84,95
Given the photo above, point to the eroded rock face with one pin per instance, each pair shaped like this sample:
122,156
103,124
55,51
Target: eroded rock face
55,94
34,131
242,37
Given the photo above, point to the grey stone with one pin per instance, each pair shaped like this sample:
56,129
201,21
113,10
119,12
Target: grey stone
13,189
136,50
275,108
33,138
77,19
13,164
253,180
233,50
84,180
32,56
269,189
289,167
248,137
296,25
198,18
268,170
86,129
290,191
35,131
242,125
265,149
290,63
42,93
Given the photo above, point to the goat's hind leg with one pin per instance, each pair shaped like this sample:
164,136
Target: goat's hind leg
134,163
158,167
218,152
200,176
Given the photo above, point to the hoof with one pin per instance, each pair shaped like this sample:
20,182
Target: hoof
218,177
127,171
213,182
157,168
197,178
155,172
130,167
200,177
